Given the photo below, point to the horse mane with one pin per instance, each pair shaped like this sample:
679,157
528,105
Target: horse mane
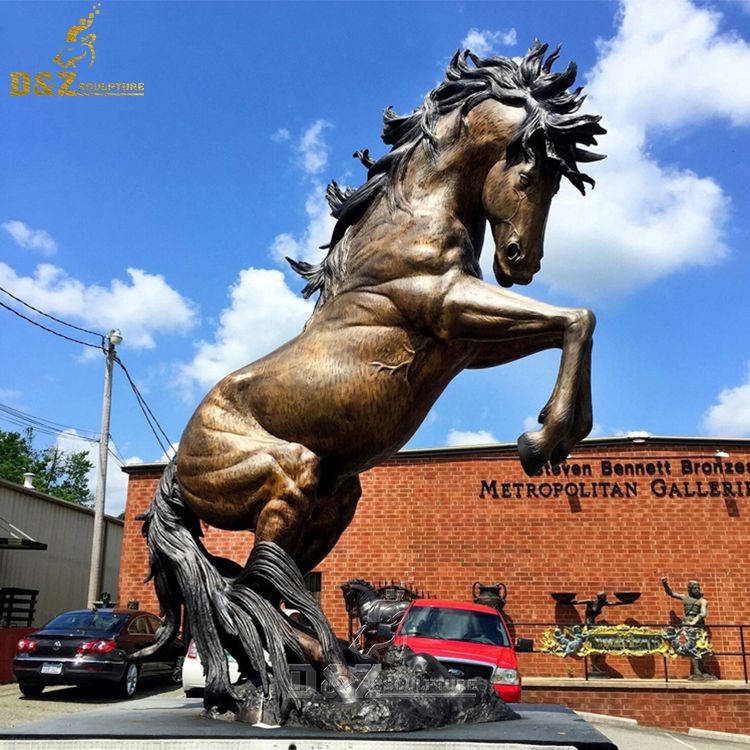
552,128
361,582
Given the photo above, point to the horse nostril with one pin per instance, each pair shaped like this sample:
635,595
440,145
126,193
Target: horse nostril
513,251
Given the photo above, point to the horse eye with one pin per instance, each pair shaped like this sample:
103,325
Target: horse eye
525,179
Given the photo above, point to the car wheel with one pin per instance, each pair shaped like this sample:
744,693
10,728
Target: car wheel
177,670
194,693
30,689
129,681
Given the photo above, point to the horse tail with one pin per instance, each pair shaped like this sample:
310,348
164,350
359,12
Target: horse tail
225,613
183,576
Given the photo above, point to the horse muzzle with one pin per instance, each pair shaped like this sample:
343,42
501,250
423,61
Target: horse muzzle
510,264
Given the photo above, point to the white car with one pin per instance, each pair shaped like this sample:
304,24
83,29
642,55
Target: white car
193,679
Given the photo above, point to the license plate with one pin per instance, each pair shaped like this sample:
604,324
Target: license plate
52,667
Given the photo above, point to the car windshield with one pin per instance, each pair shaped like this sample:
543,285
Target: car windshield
455,625
107,622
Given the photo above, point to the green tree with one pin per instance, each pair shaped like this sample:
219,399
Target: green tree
56,472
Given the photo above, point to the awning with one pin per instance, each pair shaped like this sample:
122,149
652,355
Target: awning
13,538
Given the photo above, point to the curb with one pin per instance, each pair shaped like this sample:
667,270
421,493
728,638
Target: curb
710,734
619,721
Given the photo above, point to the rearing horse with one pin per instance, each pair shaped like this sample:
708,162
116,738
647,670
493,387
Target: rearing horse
277,446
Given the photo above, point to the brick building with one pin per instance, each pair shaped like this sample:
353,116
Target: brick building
619,514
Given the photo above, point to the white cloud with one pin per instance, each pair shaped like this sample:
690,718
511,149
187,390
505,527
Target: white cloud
264,313
312,148
117,481
317,232
484,43
281,135
145,306
730,416
169,454
530,424
465,437
30,239
665,69
670,64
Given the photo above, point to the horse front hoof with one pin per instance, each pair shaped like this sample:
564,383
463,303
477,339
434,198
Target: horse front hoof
532,458
558,455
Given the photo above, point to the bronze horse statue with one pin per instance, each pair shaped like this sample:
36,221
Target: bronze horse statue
362,600
277,446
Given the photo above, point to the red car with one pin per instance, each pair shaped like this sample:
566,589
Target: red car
471,640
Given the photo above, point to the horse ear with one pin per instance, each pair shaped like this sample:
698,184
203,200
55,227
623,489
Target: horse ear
583,155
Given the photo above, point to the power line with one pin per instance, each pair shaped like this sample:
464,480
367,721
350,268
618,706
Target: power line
42,422
49,330
151,419
52,317
113,447
147,413
56,429
45,431
116,457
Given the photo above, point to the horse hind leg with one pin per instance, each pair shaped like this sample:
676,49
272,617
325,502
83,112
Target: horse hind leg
279,483
330,516
282,573
270,485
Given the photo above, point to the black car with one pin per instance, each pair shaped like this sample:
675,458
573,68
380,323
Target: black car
88,646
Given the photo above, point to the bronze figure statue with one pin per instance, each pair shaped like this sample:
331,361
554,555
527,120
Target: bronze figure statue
695,609
277,446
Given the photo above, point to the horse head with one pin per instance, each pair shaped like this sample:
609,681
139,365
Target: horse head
516,200
356,592
524,134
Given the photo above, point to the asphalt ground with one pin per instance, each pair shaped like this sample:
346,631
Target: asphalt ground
16,710
649,738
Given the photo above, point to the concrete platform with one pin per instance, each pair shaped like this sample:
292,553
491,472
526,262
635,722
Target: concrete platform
176,723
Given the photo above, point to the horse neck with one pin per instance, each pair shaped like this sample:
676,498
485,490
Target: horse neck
441,199
362,594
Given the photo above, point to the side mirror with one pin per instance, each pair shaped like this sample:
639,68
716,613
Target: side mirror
524,645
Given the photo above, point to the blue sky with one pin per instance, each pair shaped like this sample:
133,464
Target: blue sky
167,215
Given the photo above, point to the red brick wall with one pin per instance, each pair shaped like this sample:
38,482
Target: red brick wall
422,520
675,708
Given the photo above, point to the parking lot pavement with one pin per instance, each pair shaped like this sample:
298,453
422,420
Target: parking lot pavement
15,709
650,738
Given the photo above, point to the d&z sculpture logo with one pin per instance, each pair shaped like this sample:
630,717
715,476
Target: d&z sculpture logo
79,46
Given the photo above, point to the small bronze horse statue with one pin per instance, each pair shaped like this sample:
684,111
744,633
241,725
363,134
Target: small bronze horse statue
362,601
278,446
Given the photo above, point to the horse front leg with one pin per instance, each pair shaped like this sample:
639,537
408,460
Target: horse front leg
507,326
584,415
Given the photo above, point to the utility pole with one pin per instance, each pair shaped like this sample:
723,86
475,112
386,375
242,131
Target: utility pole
114,337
